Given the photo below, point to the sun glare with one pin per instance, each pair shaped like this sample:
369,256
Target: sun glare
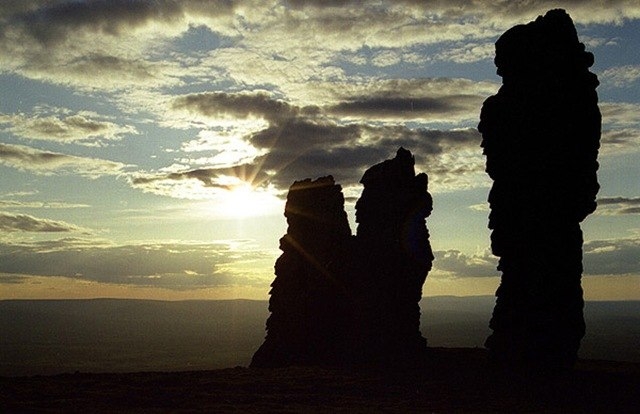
243,201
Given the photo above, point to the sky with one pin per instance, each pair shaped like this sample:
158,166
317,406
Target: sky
146,147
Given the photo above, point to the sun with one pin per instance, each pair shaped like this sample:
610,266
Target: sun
244,201
241,201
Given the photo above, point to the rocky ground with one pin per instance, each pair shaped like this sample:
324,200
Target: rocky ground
455,380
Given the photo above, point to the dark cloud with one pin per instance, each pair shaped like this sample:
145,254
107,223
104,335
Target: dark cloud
298,135
395,107
45,162
304,149
348,161
240,105
619,201
55,22
420,99
25,155
25,223
349,150
612,257
214,178
304,142
619,205
172,266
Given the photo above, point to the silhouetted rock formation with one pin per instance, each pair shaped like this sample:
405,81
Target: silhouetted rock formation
339,299
541,137
395,257
308,296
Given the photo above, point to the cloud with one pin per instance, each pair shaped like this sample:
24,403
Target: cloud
467,52
358,125
424,109
620,114
46,163
618,141
167,265
453,263
55,23
427,100
600,258
620,76
201,183
40,204
239,105
621,127
618,205
308,148
300,142
386,58
272,42
612,257
25,223
78,128
423,100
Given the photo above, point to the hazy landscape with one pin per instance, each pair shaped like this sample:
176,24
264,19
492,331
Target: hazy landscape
46,337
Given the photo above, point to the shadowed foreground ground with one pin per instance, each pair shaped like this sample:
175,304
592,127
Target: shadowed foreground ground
457,380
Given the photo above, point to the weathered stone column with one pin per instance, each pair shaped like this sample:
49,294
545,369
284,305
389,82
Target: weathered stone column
309,312
345,300
541,137
394,257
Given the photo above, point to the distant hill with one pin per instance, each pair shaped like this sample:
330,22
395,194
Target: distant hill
117,335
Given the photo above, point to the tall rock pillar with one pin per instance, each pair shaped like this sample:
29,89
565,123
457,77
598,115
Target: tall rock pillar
541,135
309,312
394,257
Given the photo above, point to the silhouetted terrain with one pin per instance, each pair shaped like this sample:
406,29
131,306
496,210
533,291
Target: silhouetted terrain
454,380
105,335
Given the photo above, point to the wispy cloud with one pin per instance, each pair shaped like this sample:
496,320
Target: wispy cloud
78,128
46,162
40,204
618,205
621,76
25,223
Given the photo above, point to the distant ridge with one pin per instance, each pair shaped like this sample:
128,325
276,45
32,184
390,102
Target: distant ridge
124,335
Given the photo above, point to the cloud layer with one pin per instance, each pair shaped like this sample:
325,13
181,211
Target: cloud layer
166,265
202,265
10,222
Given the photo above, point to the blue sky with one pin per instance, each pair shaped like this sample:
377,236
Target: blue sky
146,146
